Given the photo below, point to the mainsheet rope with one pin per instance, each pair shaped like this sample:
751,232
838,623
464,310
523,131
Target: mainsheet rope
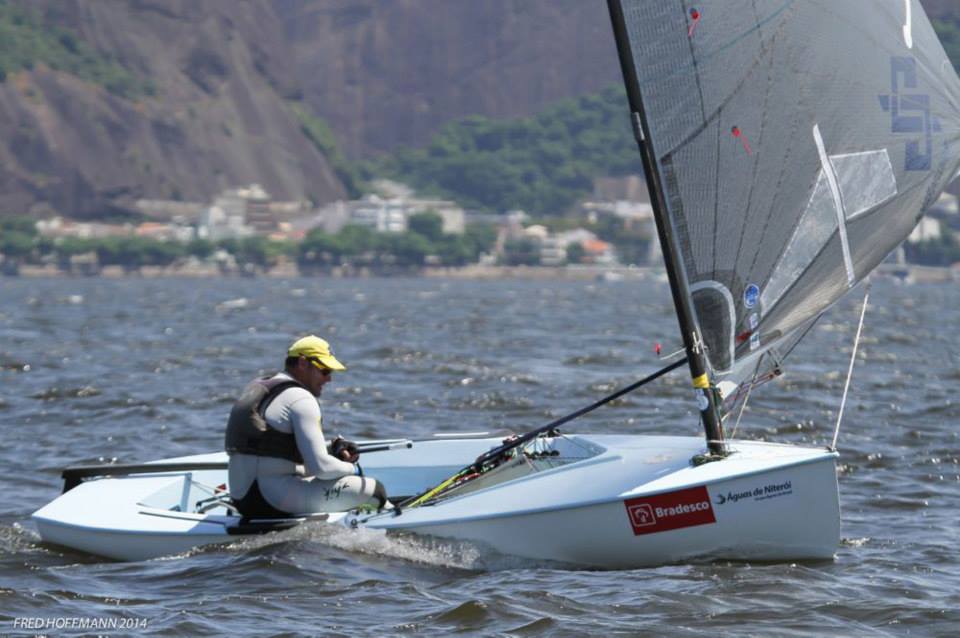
532,434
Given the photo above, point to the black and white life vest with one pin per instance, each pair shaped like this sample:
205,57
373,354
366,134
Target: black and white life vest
248,431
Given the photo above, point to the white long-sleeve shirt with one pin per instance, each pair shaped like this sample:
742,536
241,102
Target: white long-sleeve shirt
293,410
297,411
322,484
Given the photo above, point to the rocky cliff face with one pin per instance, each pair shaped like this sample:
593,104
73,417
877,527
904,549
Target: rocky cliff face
219,116
386,74
225,72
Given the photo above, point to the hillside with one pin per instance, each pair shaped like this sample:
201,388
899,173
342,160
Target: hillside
104,102
216,113
389,74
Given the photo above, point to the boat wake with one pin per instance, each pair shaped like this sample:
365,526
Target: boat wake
422,550
16,539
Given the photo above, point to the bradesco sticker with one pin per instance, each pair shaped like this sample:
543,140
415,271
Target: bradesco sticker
673,510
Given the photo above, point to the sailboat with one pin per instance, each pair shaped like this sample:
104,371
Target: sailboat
788,147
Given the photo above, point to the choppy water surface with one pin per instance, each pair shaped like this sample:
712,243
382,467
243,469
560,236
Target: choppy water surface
95,370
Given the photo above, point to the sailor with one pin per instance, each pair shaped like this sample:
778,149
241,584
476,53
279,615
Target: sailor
280,463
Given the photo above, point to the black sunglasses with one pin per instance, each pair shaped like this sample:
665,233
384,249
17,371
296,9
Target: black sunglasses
319,365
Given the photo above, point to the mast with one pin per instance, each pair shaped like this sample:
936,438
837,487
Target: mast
692,340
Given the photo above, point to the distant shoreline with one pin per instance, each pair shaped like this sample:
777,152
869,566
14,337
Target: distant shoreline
905,273
579,273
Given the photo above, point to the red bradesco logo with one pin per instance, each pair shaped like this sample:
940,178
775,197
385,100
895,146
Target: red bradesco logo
673,510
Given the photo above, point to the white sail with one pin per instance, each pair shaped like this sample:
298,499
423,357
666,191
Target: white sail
797,143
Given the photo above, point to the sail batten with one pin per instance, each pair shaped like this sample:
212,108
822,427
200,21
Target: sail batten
796,143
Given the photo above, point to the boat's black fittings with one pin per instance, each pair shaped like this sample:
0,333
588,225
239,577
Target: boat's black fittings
709,457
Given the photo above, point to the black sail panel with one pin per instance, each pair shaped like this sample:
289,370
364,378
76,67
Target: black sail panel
797,142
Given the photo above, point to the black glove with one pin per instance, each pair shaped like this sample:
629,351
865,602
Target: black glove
344,450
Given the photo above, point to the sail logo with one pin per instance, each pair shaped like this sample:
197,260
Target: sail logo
910,113
672,510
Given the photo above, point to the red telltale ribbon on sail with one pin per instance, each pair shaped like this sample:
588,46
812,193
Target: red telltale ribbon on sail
694,21
737,133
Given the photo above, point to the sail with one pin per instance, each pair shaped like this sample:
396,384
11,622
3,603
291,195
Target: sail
797,143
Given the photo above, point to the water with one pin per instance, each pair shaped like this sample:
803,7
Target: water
96,370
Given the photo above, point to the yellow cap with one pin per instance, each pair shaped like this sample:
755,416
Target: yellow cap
313,347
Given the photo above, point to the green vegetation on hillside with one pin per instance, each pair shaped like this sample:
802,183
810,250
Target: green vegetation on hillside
949,31
25,42
18,236
942,251
320,135
541,164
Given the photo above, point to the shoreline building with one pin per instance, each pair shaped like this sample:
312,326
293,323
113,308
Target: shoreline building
244,212
385,215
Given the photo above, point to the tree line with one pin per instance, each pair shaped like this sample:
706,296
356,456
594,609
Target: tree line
940,251
949,31
424,243
541,164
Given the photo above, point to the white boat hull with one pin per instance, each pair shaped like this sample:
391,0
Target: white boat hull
630,501
766,502
601,535
146,516
108,517
127,545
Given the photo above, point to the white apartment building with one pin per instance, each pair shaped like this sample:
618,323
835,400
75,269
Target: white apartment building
382,215
227,216
390,215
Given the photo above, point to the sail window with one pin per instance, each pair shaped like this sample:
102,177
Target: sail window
817,225
713,300
865,180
